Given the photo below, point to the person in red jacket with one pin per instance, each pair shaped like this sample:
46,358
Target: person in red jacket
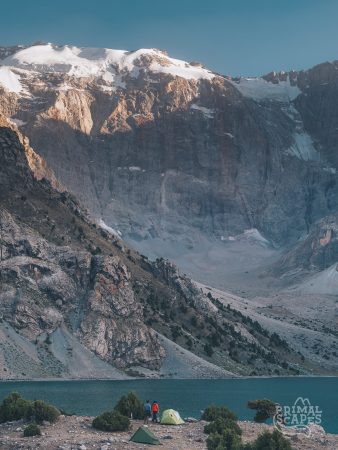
155,409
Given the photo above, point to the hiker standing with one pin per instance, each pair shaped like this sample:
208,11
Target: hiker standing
147,411
155,409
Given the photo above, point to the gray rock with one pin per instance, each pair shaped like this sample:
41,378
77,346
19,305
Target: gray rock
65,272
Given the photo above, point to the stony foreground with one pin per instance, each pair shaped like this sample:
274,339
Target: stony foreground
76,433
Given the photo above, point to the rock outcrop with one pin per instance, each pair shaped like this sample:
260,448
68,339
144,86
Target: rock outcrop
45,284
317,252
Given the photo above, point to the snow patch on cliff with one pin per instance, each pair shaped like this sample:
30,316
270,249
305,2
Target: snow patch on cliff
325,282
303,147
252,236
260,89
9,80
110,230
206,111
182,69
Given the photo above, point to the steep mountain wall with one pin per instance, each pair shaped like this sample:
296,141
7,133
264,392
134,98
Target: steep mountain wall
165,149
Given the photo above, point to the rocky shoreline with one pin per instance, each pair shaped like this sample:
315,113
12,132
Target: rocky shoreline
76,433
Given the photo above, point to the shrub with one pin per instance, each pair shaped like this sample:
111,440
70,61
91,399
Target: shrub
208,350
32,430
111,421
220,425
14,407
228,440
214,442
267,441
265,408
214,412
130,406
43,411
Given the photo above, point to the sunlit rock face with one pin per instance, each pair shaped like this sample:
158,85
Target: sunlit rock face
165,149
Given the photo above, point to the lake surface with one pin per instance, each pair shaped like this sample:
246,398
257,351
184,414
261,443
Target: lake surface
189,397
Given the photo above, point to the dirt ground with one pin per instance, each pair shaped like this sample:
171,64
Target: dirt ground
76,433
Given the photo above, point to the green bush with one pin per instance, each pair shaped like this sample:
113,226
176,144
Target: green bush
269,441
43,411
130,406
228,440
111,421
214,412
215,441
14,407
32,430
219,425
265,409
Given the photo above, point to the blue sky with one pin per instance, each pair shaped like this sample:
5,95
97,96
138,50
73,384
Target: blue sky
235,37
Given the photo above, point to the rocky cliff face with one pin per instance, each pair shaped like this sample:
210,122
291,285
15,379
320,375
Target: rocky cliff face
316,253
161,148
48,280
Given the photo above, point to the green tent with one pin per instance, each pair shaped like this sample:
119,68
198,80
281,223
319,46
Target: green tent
171,417
144,436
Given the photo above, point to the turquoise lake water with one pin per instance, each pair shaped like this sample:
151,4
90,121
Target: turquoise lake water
189,397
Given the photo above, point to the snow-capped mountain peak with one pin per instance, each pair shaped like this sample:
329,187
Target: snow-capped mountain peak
86,62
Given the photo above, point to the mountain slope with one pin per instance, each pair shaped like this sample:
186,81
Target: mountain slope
316,252
52,276
75,301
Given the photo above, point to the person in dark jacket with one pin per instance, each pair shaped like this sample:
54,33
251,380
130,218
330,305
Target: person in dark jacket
147,411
